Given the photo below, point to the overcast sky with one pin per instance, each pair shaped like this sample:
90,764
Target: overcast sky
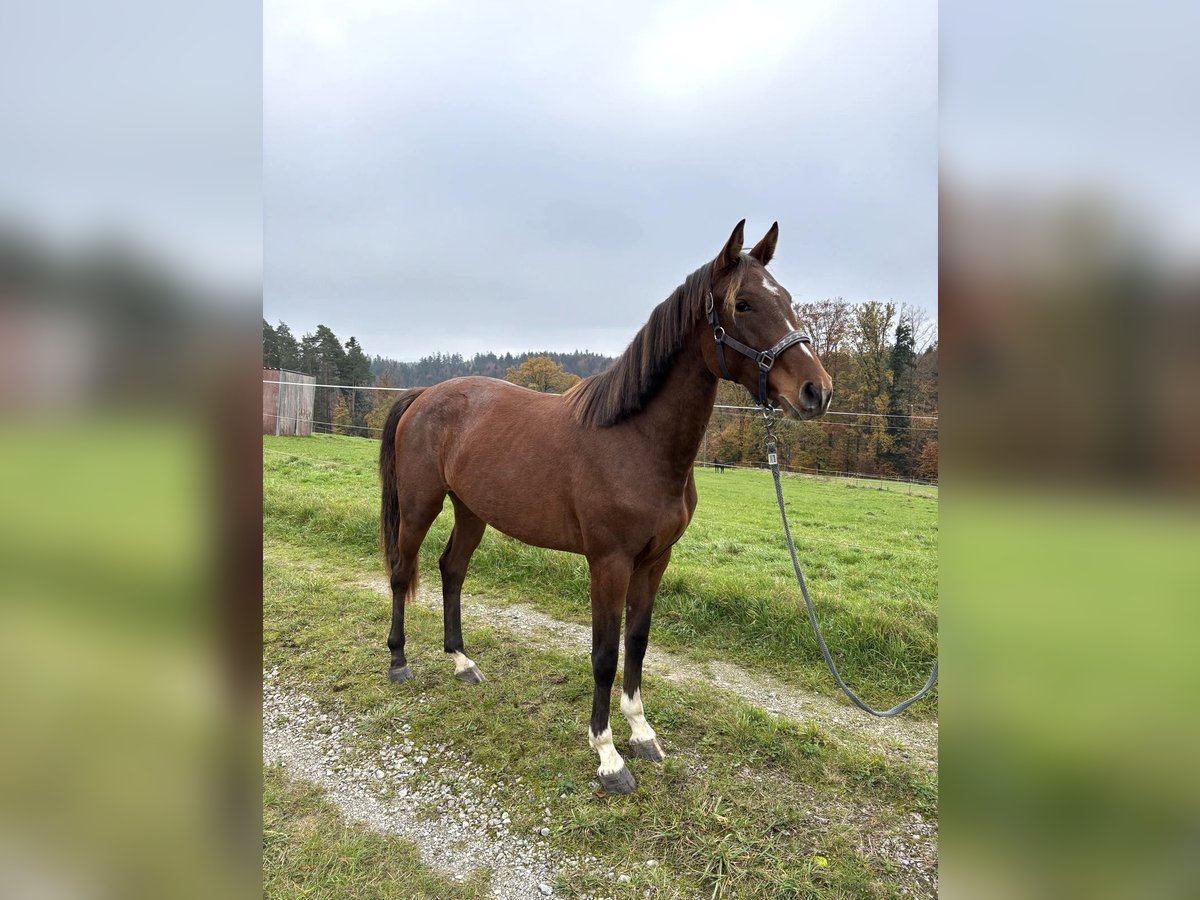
463,177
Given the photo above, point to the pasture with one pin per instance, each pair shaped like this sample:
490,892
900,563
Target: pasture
748,804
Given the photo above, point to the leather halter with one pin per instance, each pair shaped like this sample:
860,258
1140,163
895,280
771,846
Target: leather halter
764,358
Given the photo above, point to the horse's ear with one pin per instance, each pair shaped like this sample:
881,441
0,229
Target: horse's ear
764,250
733,248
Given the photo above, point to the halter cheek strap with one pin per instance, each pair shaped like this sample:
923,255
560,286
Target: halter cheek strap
764,358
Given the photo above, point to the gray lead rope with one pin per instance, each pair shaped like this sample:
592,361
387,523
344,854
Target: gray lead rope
773,461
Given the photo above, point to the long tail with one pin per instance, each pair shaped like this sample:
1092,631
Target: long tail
389,506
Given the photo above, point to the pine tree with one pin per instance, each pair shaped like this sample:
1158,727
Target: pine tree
903,365
287,350
355,366
322,356
270,347
310,355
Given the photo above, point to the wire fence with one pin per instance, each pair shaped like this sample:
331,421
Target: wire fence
791,445
831,412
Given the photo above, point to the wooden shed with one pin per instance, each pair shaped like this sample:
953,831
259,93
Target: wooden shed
288,402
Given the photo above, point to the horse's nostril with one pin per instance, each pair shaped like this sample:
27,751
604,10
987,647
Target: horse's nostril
810,398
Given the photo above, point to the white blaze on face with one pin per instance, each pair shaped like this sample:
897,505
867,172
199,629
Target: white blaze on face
803,345
769,283
610,759
631,708
462,662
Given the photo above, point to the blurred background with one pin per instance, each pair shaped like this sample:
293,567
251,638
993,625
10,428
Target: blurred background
1070,323
130,271
130,261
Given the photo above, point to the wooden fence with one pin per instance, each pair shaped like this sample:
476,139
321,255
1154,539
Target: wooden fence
288,402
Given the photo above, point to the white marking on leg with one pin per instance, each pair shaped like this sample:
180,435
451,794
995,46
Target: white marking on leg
462,662
631,708
610,759
770,285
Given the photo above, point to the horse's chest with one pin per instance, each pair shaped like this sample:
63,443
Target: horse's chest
671,519
642,520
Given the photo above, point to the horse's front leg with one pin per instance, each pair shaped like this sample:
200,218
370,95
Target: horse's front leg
643,588
610,583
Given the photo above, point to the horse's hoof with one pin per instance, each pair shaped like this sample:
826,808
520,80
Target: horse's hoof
470,676
618,782
651,750
403,673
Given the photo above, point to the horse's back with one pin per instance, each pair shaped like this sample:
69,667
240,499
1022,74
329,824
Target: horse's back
450,413
502,450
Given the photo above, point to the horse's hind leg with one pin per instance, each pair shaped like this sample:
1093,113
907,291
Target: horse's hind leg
643,588
415,519
464,539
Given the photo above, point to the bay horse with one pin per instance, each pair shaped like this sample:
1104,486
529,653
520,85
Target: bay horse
604,470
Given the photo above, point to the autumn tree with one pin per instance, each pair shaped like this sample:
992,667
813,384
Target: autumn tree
540,373
928,465
830,324
926,394
733,436
342,423
868,384
810,446
381,405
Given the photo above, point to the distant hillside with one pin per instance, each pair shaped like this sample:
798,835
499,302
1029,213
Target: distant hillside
432,369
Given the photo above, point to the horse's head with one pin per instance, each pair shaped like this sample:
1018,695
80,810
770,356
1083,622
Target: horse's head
756,332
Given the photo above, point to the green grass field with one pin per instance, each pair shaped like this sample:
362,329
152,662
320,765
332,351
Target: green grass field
747,804
870,556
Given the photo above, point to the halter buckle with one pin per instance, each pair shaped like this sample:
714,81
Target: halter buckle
766,360
719,334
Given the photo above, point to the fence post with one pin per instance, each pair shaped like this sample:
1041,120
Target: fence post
278,400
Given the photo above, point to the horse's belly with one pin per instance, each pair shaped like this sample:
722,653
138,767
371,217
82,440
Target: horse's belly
525,510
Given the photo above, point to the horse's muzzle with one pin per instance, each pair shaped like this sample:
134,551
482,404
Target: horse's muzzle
813,401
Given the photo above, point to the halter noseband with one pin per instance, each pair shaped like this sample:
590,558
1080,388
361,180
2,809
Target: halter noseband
764,358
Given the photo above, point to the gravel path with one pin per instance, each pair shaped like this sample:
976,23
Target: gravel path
456,815
470,829
902,738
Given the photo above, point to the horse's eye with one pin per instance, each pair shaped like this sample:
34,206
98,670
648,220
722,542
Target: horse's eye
742,306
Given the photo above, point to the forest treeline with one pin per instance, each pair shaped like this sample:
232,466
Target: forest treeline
883,359
442,367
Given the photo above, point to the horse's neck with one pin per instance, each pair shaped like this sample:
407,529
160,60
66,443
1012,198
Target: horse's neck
676,418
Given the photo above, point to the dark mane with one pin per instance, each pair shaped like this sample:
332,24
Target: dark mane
625,388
